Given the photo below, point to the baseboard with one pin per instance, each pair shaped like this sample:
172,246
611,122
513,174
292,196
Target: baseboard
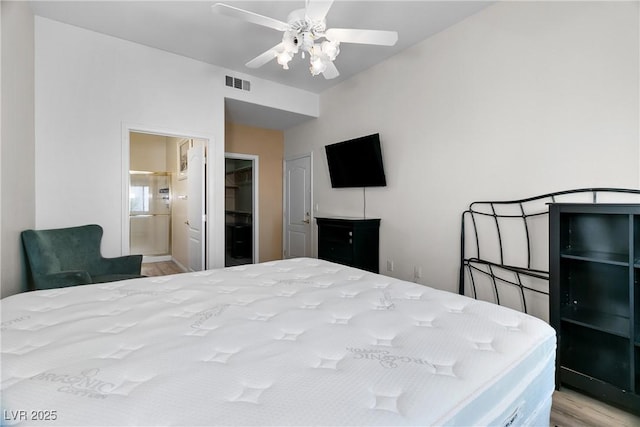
185,269
159,258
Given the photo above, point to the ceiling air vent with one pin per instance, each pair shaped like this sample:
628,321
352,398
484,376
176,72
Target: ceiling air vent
238,83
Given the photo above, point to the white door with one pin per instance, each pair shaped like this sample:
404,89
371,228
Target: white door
196,217
297,234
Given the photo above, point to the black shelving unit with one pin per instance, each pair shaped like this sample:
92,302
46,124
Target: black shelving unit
350,241
594,296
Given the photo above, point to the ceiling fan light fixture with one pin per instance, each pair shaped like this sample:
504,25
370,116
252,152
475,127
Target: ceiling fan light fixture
318,61
283,59
331,49
301,31
305,40
318,66
290,42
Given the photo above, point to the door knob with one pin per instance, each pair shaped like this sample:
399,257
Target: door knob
306,218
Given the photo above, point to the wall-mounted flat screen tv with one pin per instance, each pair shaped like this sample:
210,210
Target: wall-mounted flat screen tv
356,163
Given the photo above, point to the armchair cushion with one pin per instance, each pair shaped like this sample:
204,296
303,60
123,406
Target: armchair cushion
71,256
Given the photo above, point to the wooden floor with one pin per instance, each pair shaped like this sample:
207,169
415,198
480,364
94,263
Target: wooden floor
569,409
163,268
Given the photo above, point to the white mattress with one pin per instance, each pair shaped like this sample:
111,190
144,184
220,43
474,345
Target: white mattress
293,342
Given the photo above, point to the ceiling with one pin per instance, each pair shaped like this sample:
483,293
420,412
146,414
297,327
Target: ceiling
191,29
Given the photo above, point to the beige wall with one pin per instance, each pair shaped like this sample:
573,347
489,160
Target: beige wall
148,152
268,145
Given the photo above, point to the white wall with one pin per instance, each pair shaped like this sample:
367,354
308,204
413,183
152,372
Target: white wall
520,99
89,87
17,135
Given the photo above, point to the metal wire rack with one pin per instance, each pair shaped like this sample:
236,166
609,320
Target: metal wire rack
505,246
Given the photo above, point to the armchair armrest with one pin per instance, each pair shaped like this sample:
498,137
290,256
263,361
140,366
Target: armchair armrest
128,264
61,279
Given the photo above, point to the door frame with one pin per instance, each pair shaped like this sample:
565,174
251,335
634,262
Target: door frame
213,217
255,219
285,194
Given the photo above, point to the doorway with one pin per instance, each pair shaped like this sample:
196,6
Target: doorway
241,209
165,187
150,214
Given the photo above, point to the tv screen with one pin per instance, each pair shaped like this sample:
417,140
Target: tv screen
356,163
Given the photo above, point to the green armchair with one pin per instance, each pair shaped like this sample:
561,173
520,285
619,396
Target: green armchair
71,256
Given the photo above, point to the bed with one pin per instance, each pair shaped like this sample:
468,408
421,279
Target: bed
292,342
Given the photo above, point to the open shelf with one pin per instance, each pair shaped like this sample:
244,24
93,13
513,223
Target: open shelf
595,287
595,256
603,322
594,294
596,354
595,233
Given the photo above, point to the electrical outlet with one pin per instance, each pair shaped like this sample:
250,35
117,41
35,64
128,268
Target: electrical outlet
389,265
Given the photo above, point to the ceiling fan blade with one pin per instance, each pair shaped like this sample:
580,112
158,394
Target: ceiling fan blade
331,72
265,57
247,16
350,35
317,9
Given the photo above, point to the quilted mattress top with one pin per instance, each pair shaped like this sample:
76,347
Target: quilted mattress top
293,342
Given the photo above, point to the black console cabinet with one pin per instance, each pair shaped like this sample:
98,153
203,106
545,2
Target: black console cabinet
594,295
349,241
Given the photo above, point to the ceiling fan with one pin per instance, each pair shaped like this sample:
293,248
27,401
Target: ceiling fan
304,31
